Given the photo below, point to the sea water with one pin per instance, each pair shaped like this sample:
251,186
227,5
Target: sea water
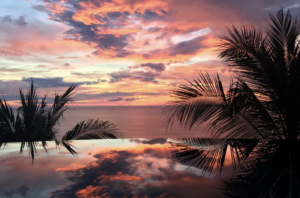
131,121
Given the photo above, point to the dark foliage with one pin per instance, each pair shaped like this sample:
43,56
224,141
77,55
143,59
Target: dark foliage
35,122
263,97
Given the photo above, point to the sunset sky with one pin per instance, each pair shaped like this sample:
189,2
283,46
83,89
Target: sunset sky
119,52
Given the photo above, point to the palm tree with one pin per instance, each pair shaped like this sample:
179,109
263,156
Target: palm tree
35,122
263,96
273,171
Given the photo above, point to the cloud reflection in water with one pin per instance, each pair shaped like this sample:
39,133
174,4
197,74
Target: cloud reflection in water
134,168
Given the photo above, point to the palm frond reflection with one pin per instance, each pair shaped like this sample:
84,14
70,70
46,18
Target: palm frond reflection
207,153
264,168
273,172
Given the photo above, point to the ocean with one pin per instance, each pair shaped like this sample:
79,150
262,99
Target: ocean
132,121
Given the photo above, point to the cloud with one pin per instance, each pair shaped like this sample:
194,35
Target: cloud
113,33
114,99
67,57
90,75
55,82
22,190
7,69
149,15
117,76
188,47
155,66
21,22
129,96
18,22
66,64
142,172
131,99
149,141
152,93
13,53
144,76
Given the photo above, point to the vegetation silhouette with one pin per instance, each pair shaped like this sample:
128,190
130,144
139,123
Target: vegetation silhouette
259,115
34,122
263,168
273,170
263,96
209,153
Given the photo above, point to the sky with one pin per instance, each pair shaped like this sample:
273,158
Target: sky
118,52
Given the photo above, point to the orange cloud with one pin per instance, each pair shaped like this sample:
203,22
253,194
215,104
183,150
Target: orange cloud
90,191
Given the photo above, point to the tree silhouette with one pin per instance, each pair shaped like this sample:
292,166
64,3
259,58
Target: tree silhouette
263,97
263,168
273,171
35,122
209,153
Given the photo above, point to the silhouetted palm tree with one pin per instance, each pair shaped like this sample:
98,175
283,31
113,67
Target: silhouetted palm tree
272,171
263,97
265,168
35,122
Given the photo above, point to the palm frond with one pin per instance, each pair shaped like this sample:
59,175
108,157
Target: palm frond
272,172
195,103
248,53
55,114
208,154
92,129
7,118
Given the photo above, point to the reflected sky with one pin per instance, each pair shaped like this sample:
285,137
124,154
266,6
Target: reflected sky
109,168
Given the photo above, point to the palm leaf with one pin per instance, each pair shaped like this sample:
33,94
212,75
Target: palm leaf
91,129
196,103
207,153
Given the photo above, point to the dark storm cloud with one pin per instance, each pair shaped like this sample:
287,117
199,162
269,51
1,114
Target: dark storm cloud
115,99
155,66
18,22
55,82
